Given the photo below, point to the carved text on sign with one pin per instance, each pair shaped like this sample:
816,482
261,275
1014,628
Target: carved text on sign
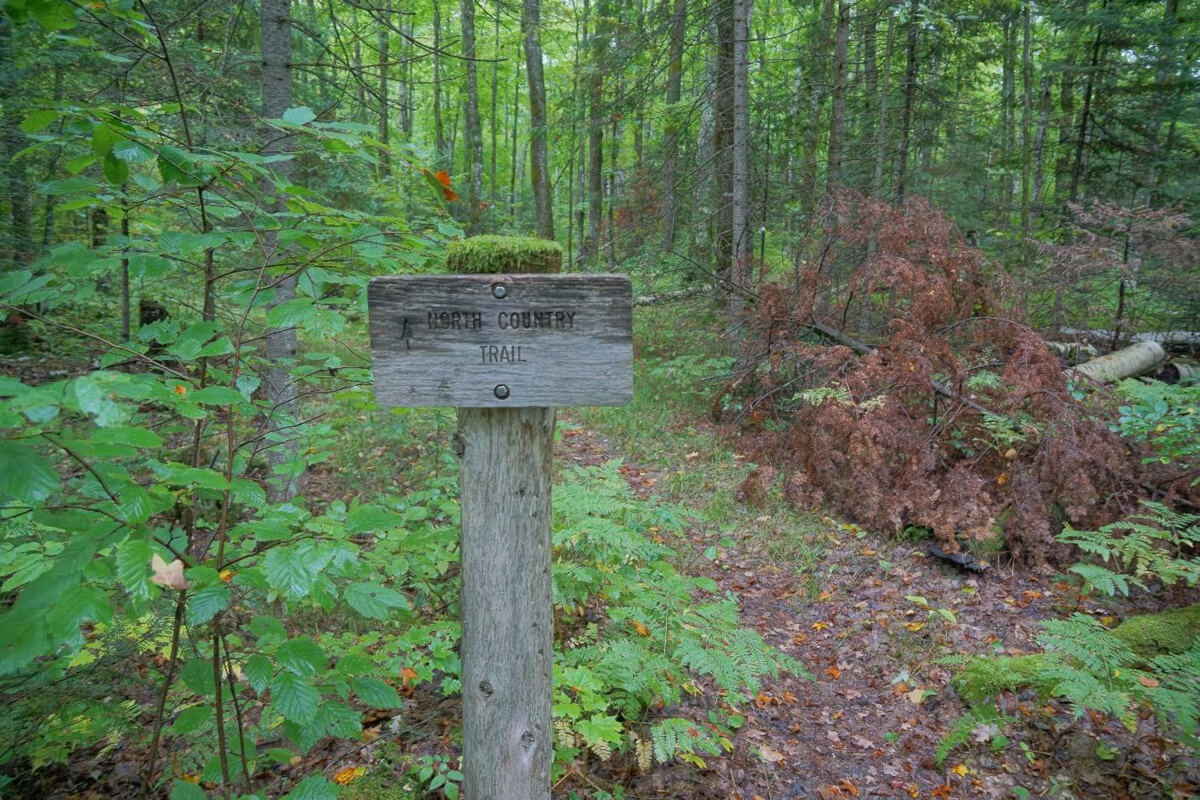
548,340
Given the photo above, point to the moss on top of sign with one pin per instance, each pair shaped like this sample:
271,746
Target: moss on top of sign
493,255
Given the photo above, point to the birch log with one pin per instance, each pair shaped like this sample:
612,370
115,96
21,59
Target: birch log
1137,359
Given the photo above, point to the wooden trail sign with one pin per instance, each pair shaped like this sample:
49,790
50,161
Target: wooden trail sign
502,341
505,349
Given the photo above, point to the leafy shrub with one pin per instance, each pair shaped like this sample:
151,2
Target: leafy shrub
1166,417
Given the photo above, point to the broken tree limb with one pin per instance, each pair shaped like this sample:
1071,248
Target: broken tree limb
663,297
1129,362
862,349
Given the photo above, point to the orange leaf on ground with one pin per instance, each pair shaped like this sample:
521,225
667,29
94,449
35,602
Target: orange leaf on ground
940,793
641,629
1149,683
820,626
833,672
349,775
407,674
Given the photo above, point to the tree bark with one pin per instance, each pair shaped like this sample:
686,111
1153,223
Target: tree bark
671,134
1129,362
507,636
281,342
837,115
473,132
590,247
743,239
910,88
723,121
12,140
539,160
385,160
439,130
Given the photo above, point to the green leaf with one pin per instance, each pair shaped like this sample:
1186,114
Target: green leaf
133,567
249,492
258,671
375,692
291,313
175,165
294,698
115,170
191,719
24,475
205,602
216,396
124,434
76,605
293,570
39,120
301,655
197,675
103,139
371,517
182,790
300,115
374,601
313,788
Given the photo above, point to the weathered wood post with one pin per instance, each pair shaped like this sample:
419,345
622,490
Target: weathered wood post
505,347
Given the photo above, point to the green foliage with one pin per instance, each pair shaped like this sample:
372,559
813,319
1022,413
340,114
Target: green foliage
1164,416
663,634
1151,661
491,255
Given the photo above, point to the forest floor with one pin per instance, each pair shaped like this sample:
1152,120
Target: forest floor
861,613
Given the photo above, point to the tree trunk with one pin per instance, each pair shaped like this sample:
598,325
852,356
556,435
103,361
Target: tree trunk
439,130
281,342
910,88
12,140
1085,114
1039,148
473,132
723,143
837,115
385,160
539,161
743,240
494,121
1026,124
1137,359
590,247
671,134
507,625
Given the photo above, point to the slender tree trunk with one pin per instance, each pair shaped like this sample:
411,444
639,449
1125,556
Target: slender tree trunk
539,159
473,133
1026,125
385,160
439,130
723,142
281,342
12,140
837,116
599,40
743,240
910,88
1039,147
703,194
494,121
671,134
1086,112
514,154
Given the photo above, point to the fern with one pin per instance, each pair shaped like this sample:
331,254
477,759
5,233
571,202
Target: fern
661,632
978,724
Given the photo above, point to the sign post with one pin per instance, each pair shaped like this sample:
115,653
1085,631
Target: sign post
505,349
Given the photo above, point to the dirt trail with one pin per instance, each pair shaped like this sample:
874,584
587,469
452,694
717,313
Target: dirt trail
869,722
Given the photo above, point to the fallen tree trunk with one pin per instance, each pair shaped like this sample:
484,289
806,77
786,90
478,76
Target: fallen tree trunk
1165,338
663,297
1129,362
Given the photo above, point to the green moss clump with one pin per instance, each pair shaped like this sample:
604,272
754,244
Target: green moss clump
1152,635
494,255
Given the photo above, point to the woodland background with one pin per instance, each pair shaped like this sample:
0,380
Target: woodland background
856,225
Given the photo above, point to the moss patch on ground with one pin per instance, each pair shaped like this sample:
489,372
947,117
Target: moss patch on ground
1152,635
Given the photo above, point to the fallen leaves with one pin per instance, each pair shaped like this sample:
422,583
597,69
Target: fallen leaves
820,626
